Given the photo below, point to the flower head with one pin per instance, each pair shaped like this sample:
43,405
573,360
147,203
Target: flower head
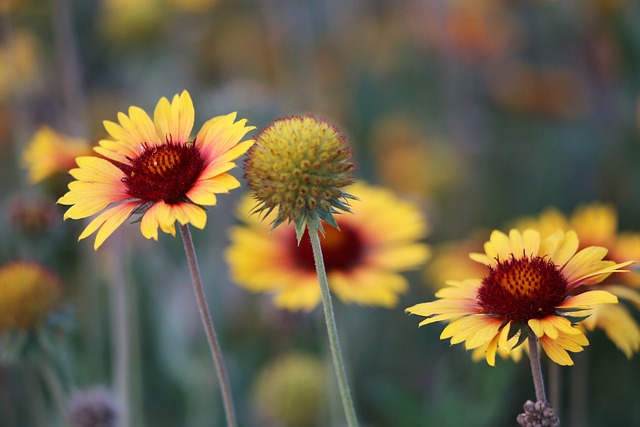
32,215
95,407
299,165
363,259
50,152
531,284
153,168
28,292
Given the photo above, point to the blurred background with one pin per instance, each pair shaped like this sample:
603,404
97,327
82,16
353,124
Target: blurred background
480,112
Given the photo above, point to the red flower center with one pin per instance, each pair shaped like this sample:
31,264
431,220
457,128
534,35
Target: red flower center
164,172
341,249
520,289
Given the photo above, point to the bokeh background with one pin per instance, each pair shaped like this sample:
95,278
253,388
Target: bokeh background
480,112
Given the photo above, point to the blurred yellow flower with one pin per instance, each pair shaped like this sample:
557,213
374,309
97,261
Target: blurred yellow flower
363,259
154,169
130,21
28,292
451,261
291,391
411,163
597,224
50,152
24,74
530,285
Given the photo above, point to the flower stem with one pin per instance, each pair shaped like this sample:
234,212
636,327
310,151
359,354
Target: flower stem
205,315
334,343
120,327
54,385
536,368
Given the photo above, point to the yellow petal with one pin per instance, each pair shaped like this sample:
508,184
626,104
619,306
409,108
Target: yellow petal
108,222
188,213
501,245
556,352
175,120
516,243
566,249
143,126
401,257
149,223
165,217
589,299
626,293
203,193
482,258
490,353
536,326
219,135
584,262
620,326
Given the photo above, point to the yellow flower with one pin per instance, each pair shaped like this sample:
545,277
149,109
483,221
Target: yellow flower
362,259
153,168
299,165
291,391
127,22
28,292
597,224
530,285
50,152
22,71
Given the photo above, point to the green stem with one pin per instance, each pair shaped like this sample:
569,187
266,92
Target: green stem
205,315
54,385
536,368
120,327
336,353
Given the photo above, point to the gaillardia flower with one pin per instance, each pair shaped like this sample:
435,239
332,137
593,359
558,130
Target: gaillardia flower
531,285
299,165
50,152
363,259
153,168
28,292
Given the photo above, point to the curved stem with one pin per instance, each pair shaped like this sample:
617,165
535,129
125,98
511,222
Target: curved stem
207,322
332,330
536,368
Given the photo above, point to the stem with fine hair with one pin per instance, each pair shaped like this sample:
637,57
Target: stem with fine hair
313,228
205,315
536,368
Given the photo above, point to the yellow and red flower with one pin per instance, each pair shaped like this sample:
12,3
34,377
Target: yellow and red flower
153,168
531,285
363,258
